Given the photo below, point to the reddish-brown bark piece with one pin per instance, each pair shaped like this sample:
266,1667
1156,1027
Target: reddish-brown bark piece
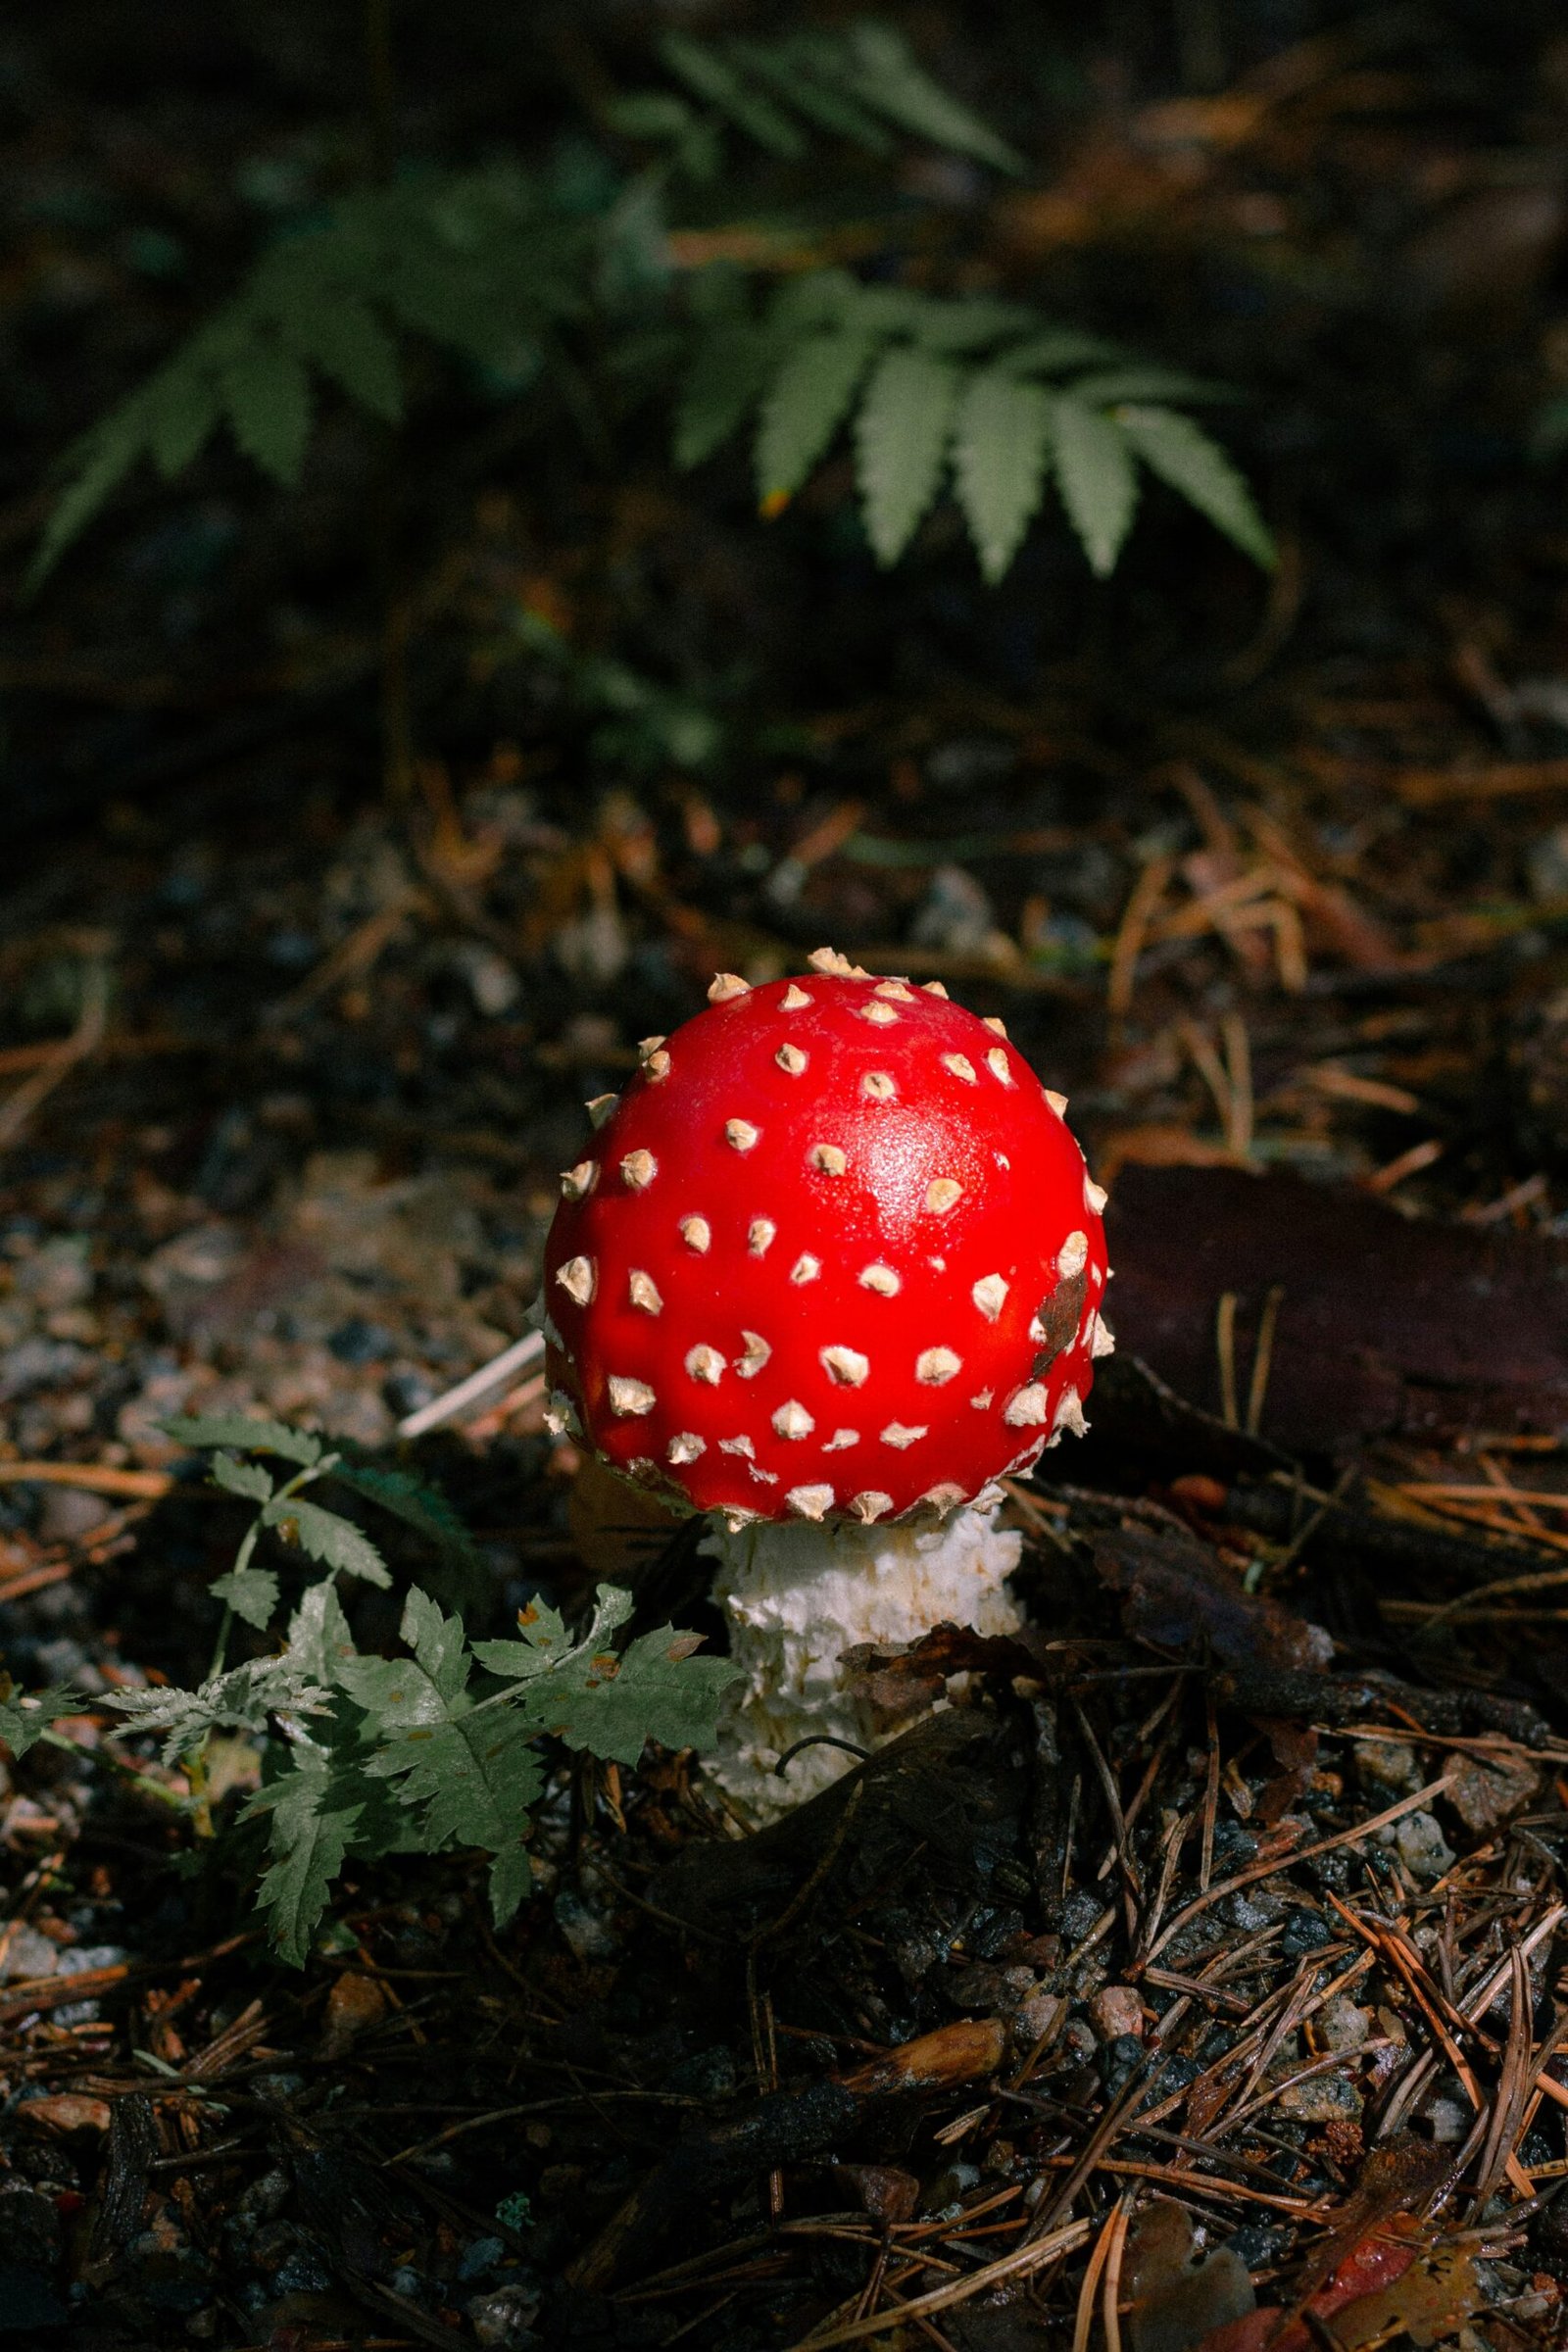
834,1253
1176,1592
1385,1324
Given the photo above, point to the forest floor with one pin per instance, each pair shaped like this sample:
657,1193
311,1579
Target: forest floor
1201,1979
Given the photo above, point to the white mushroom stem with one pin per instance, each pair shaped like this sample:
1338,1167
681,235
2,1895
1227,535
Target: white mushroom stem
796,1597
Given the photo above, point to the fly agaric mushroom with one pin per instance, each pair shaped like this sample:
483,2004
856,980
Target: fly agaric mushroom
831,1269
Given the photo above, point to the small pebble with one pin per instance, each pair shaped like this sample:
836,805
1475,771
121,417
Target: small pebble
1420,1845
1116,2010
1386,1768
68,1513
1329,2098
26,1953
505,2315
590,1936
1342,2026
1037,2016
1078,2040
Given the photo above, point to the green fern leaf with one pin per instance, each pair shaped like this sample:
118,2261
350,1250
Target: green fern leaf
725,374
712,79
24,1721
316,1810
99,464
182,412
589,1696
248,1479
250,1593
675,123
658,1692
1097,478
1197,469
967,325
267,393
1057,349
812,75
336,1542
469,1768
510,1881
479,261
344,338
244,1435
805,403
318,1636
831,298
649,114
887,76
1112,385
418,1504
1001,440
240,1701
901,436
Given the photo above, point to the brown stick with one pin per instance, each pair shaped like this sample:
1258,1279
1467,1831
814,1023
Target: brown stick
783,2127
84,1039
149,1485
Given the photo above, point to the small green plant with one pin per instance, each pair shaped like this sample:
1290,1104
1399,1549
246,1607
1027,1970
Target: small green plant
362,1755
863,84
481,264
990,390
565,274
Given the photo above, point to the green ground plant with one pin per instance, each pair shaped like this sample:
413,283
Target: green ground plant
562,270
361,1755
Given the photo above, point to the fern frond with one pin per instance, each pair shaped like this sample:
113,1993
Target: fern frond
808,73
723,380
1001,438
95,470
1097,478
1197,469
907,369
1107,387
887,77
182,419
833,297
901,438
855,85
476,262
969,323
1057,350
716,79
340,334
804,405
267,398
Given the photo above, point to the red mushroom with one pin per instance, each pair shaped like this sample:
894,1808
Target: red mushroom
833,1259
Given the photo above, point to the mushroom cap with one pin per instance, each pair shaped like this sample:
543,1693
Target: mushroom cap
834,1254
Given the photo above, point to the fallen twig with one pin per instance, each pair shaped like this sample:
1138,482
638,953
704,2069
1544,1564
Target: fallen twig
84,1039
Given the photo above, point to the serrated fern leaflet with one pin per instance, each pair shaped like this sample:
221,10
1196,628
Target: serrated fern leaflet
1000,441
481,263
980,395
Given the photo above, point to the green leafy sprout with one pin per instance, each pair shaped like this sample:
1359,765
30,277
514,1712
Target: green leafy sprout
500,268
362,1756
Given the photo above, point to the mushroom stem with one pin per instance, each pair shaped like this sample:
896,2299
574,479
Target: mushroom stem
796,1597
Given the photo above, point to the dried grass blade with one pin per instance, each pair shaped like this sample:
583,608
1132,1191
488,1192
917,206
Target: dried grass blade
1022,2259
1084,2323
